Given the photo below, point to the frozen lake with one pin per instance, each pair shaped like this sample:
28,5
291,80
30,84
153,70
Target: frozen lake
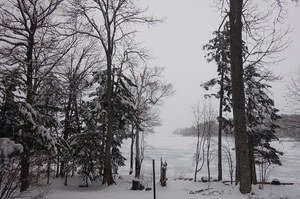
179,153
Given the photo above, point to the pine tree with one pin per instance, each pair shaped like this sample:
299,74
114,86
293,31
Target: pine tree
261,116
87,147
219,52
9,104
123,109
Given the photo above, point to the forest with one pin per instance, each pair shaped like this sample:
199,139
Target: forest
75,83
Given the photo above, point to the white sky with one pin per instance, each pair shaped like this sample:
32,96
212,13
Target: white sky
177,45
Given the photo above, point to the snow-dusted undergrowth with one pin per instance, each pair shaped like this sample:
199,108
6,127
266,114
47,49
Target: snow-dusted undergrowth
178,152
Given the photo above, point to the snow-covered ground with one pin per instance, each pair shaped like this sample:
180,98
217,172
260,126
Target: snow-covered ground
179,152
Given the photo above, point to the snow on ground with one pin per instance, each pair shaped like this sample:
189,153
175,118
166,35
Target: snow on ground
178,152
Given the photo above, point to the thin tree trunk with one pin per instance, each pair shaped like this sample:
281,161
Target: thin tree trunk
197,153
208,157
238,97
66,132
131,150
76,113
220,127
48,170
57,162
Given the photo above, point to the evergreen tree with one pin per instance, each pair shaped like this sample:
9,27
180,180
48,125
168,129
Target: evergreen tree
219,52
96,118
261,114
88,146
9,104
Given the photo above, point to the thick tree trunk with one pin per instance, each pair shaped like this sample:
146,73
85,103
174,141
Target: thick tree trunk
108,177
252,162
137,155
29,99
238,97
24,171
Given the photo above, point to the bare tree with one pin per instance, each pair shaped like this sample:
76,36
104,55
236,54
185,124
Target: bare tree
199,155
228,155
78,65
109,22
149,93
204,119
294,91
209,120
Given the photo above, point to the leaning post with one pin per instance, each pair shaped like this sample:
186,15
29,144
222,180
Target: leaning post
154,188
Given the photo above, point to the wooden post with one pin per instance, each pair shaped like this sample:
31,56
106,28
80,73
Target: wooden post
163,173
154,188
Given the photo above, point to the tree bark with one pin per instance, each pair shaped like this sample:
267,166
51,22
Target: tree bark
29,99
137,155
131,150
252,162
108,177
24,171
238,97
163,173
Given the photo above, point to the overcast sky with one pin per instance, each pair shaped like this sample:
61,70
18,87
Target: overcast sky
177,44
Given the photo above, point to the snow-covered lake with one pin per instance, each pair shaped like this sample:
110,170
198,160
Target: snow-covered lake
179,153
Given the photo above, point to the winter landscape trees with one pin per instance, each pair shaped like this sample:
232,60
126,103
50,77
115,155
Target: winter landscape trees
53,54
75,83
244,23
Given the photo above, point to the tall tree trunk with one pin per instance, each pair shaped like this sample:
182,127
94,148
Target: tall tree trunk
76,112
108,177
29,99
63,163
220,127
238,97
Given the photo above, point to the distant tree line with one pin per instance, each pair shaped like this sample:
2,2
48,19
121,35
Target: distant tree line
289,127
193,131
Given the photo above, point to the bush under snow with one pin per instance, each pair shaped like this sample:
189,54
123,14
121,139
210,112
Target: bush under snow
8,147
